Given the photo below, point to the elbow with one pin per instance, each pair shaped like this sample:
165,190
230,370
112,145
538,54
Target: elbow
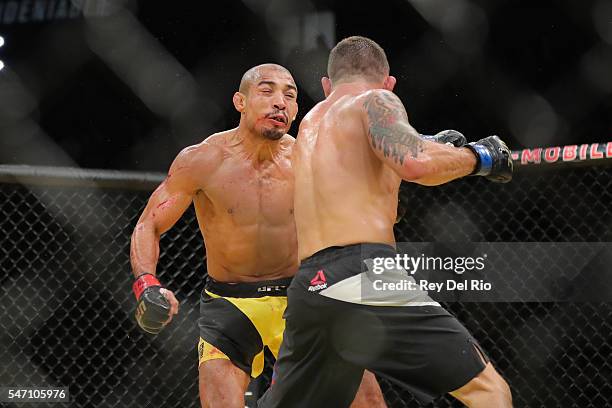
144,228
420,172
414,170
136,233
429,182
140,226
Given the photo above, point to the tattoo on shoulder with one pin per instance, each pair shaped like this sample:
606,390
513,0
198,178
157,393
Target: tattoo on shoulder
389,130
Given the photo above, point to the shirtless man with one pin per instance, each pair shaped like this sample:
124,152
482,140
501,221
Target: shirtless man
241,184
352,151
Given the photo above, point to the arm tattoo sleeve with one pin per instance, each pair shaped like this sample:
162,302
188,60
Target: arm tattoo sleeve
389,130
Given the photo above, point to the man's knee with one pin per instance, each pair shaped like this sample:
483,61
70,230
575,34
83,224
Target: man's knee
488,387
495,384
220,400
222,384
369,394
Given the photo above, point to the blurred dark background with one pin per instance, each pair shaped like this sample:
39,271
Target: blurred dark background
127,84
120,84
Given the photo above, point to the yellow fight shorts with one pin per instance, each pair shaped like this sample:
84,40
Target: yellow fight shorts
237,320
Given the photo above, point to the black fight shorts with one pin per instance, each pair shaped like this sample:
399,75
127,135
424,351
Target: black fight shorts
332,335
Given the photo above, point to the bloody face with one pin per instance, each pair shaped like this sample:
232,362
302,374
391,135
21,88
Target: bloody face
271,103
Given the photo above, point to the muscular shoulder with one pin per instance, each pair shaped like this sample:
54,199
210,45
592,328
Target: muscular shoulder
287,141
286,144
195,164
367,104
202,156
381,100
382,109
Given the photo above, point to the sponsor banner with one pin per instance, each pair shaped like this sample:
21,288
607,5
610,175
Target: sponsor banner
563,154
489,272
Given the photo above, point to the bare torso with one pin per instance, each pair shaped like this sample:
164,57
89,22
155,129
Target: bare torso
344,193
245,214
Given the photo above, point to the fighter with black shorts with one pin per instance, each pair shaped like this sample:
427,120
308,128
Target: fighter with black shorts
352,151
240,182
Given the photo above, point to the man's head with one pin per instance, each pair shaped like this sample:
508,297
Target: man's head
357,59
267,100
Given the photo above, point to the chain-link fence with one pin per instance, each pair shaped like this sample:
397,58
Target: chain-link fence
67,309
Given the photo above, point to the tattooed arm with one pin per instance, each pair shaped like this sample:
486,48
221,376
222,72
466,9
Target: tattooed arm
400,147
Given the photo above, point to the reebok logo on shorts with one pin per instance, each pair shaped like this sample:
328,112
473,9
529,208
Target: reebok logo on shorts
318,282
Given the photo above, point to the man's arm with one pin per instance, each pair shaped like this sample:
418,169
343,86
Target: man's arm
157,305
400,147
166,205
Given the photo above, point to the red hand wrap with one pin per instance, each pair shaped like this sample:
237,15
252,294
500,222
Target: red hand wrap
142,282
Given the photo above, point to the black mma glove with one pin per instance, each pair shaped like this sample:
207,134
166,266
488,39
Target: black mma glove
447,137
153,308
493,159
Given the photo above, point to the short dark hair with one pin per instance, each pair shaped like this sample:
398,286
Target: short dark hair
357,57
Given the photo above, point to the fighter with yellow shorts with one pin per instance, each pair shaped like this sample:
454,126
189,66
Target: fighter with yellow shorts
240,182
241,319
